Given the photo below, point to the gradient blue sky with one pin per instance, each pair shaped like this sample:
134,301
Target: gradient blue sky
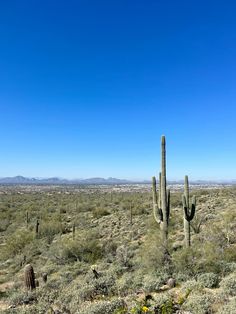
87,88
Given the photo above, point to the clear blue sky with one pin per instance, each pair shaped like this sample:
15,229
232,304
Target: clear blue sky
87,88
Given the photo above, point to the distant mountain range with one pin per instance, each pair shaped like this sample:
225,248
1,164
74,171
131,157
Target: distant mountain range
55,180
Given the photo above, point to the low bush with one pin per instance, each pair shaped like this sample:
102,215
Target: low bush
198,303
228,284
208,280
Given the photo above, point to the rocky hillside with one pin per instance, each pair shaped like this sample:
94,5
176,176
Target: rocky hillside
101,252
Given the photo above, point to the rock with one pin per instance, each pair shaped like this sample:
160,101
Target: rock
171,283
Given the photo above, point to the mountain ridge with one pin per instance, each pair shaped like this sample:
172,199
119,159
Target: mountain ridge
97,180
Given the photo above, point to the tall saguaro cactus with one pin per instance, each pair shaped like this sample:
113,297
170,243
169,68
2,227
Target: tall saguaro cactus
161,206
189,212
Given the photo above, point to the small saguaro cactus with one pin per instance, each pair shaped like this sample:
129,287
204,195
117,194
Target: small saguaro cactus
161,205
189,212
131,212
73,231
37,228
29,278
27,219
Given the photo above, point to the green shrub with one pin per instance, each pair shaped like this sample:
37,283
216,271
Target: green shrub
20,297
198,303
152,284
103,307
84,248
125,284
229,307
16,243
49,229
208,280
228,284
163,304
99,212
189,286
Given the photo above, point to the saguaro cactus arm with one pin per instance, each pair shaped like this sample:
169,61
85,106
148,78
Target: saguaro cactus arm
168,205
156,210
189,212
154,190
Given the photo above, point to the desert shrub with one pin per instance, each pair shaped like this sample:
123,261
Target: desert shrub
123,255
84,248
199,259
163,304
19,297
125,284
229,307
189,286
208,280
186,260
228,284
4,223
109,249
33,309
99,212
176,200
181,277
49,229
198,303
16,242
229,268
86,207
87,292
141,308
103,307
230,253
105,285
152,283
151,252
90,287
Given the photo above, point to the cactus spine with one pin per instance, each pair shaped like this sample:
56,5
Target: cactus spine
188,212
29,278
161,205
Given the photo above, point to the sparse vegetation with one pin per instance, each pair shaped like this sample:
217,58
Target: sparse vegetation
94,250
96,260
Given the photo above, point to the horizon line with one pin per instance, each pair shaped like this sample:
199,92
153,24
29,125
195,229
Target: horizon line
115,178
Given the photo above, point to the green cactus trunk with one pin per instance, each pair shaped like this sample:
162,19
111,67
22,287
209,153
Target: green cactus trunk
188,212
27,220
164,204
131,213
29,278
161,206
73,231
37,228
